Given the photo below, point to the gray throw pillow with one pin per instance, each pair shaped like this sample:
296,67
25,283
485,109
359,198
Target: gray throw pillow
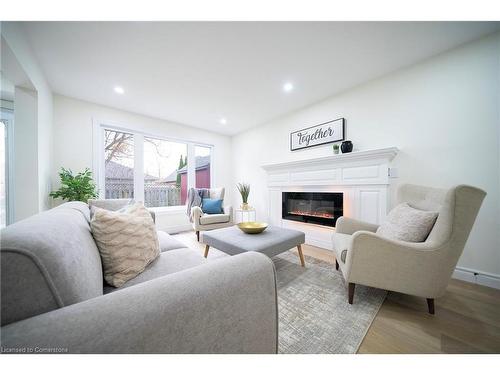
408,224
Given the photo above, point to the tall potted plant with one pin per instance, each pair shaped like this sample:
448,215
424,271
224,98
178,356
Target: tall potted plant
244,190
79,187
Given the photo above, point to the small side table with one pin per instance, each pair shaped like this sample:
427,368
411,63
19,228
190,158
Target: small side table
241,215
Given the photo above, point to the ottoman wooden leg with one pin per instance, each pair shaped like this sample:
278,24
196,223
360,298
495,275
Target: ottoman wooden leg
206,250
301,256
336,265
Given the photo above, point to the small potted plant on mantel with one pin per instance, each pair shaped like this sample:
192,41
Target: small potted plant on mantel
244,190
336,148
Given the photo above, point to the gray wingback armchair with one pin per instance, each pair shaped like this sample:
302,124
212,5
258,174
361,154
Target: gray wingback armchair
202,221
421,269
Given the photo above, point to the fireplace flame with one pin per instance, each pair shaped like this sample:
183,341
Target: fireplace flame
325,215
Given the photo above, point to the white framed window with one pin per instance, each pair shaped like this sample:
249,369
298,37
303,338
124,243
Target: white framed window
150,168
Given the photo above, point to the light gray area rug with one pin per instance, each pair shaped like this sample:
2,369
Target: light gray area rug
314,315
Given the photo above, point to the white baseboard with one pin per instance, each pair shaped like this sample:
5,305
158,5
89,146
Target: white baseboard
477,277
319,243
171,229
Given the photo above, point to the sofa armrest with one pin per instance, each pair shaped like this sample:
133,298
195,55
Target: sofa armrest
347,225
196,214
224,306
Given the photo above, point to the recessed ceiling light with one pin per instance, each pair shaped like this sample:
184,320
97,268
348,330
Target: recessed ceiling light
223,121
288,87
119,90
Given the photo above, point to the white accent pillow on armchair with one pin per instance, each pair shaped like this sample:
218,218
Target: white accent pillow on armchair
408,224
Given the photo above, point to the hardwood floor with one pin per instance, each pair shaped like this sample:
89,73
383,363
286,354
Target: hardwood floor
467,318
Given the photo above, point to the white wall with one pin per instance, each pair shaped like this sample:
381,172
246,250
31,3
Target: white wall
443,116
73,121
25,163
13,34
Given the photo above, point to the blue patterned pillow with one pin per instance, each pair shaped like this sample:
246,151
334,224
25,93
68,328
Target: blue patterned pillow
211,206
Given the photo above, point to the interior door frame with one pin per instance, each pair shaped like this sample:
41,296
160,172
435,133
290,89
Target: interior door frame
7,116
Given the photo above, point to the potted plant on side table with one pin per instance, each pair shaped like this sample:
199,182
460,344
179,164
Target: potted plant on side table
244,190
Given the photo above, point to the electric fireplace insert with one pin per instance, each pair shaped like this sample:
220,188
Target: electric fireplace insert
314,208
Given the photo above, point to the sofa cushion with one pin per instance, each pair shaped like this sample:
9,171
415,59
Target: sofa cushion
110,204
48,261
127,242
408,224
167,242
217,193
113,205
341,243
214,219
168,262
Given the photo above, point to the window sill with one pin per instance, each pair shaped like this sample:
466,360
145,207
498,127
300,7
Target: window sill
168,210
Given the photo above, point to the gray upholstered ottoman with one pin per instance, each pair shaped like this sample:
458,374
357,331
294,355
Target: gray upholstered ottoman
272,241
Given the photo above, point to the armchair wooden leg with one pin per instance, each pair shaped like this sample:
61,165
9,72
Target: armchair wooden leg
351,292
430,305
301,256
336,265
198,235
206,250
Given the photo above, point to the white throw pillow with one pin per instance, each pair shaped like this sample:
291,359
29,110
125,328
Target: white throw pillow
408,224
127,242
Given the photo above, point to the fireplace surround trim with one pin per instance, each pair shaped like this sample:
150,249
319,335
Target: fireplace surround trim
362,176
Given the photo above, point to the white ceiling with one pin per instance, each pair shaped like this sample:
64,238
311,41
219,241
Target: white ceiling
195,73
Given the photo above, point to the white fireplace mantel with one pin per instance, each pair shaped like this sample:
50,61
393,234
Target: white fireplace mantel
362,167
382,154
363,178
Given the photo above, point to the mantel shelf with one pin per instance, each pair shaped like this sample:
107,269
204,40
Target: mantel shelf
379,155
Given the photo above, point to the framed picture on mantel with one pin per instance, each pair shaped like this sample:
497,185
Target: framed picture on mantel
322,134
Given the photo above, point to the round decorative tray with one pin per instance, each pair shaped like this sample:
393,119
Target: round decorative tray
252,227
